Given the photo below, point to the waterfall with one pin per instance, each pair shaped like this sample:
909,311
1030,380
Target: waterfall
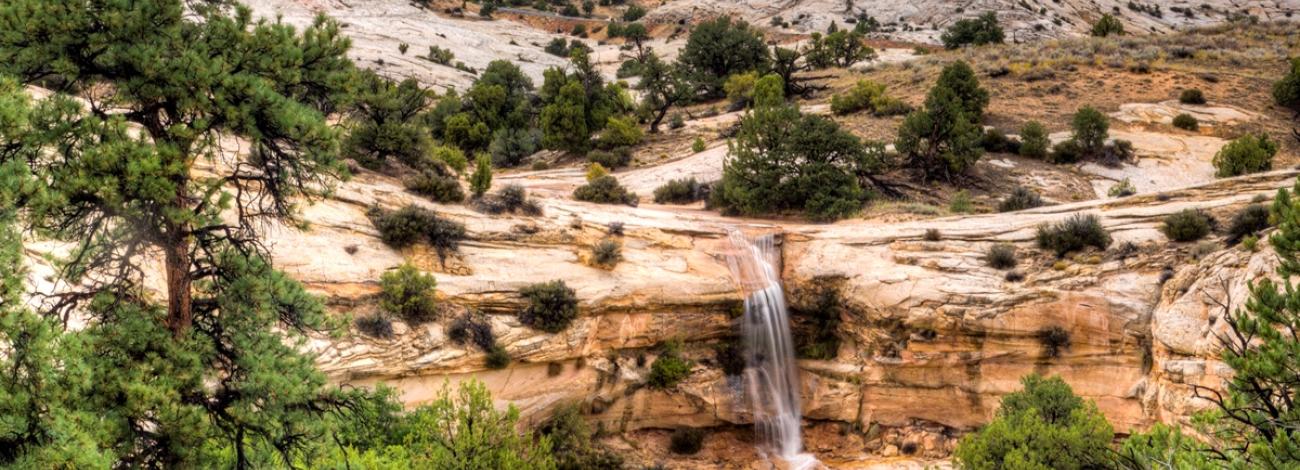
771,374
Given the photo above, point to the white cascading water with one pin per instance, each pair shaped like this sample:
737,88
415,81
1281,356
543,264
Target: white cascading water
771,374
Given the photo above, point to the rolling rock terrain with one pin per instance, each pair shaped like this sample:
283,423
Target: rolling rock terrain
929,336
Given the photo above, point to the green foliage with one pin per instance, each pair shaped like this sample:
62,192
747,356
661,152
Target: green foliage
816,327
634,12
1186,122
1043,426
740,87
512,198
1066,151
552,306
1187,225
605,190
686,441
618,157
606,253
680,191
961,203
940,139
1033,140
1191,96
1286,92
973,31
1244,155
620,132
960,78
837,49
481,181
1123,188
698,145
412,224
440,55
1091,128
463,132
564,121
720,48
388,123
497,357
1163,446
1021,198
436,181
577,104
1107,25
782,159
1251,220
1075,233
510,147
863,96
669,368
409,294
662,85
465,431
574,445
730,357
1001,256
378,326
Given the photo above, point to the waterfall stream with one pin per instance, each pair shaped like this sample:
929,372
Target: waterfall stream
771,373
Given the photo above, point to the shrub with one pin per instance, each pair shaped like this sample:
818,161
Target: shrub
438,185
498,358
680,191
740,87
616,158
451,156
481,180
1124,188
633,13
552,306
596,170
961,203
1251,220
408,293
509,147
1107,26
698,145
1186,225
676,122
1090,130
605,190
1244,155
942,139
1020,198
816,327
669,368
932,235
1191,96
720,48
973,31
1043,426
469,329
686,441
1286,92
1014,276
573,443
1186,122
730,356
614,229
1066,151
862,96
620,132
411,224
606,253
1072,234
378,326
512,198
1001,256
1033,140
1054,340
885,105
994,140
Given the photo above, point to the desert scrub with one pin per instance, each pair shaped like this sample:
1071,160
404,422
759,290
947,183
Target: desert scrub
686,441
1021,198
605,190
1191,96
1251,220
472,330
669,368
409,294
614,158
1186,122
497,358
698,145
1244,155
681,191
377,325
932,235
1001,256
552,306
606,254
437,182
1075,233
1033,140
1187,225
1054,341
412,224
961,203
1124,188
512,198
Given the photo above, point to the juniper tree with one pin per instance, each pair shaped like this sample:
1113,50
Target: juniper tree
388,122
940,139
719,48
662,87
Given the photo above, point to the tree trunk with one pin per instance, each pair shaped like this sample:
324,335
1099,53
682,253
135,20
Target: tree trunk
179,280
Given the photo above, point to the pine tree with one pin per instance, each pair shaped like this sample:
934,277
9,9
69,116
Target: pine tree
1045,425
940,139
960,78
388,121
663,87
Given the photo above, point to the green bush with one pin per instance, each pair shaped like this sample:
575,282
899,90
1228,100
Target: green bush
686,441
1107,26
1033,140
510,147
1286,92
497,358
1066,151
378,326
438,185
471,329
1001,256
698,145
412,224
996,141
451,156
620,132
942,139
1072,234
606,253
719,48
1091,128
740,87
1124,188
861,97
552,306
605,190
1043,426
1021,198
961,203
1251,220
481,180
669,368
574,445
1191,96
512,198
676,121
1186,122
1187,225
1244,155
680,191
617,158
730,356
973,31
409,294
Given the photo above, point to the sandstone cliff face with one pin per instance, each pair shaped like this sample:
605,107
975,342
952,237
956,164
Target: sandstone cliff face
930,341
